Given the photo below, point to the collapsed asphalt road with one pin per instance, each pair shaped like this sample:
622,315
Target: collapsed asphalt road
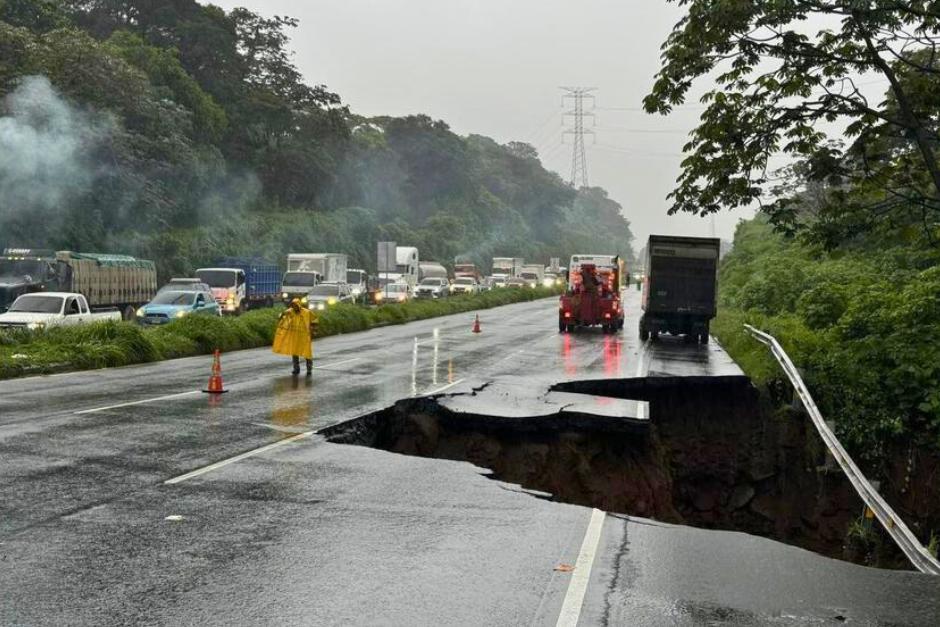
310,532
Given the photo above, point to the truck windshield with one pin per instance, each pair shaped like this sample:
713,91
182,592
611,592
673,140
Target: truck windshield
325,290
402,268
529,275
432,282
303,279
218,278
37,304
174,298
19,268
354,277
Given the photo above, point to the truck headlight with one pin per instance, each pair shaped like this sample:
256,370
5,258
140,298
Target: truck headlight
379,296
330,301
321,306
141,313
36,326
283,294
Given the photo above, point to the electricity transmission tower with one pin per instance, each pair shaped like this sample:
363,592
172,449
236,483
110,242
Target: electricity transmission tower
579,173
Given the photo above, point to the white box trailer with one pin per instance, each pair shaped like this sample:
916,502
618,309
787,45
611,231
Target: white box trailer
330,266
306,270
507,267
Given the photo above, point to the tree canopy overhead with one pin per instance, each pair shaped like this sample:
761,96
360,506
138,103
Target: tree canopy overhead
779,80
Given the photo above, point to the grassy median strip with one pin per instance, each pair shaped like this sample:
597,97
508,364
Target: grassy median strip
107,344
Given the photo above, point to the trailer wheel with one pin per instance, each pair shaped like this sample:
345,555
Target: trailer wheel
644,334
129,313
703,338
654,335
562,327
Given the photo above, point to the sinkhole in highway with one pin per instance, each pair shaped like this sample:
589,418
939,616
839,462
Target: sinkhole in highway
712,455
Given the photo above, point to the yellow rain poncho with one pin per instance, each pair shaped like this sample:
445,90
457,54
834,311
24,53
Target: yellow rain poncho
293,335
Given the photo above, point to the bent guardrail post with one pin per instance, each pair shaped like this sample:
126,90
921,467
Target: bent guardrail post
919,556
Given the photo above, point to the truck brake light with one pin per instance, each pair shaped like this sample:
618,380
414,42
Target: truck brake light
567,314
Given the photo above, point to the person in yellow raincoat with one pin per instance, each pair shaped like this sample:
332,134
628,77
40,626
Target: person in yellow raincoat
294,335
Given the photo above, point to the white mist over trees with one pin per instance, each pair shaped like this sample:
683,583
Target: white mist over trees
192,136
45,151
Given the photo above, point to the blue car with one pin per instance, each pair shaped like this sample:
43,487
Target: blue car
171,305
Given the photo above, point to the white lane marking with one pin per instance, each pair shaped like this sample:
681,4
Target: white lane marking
441,389
141,402
169,396
641,371
577,586
232,460
277,428
337,363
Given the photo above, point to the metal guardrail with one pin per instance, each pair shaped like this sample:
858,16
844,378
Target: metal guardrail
919,556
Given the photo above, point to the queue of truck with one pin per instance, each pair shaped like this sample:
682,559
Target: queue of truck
66,287
43,288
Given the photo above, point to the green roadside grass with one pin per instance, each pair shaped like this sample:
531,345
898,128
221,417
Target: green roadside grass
109,344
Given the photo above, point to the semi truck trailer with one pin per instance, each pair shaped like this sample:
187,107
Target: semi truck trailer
105,280
679,288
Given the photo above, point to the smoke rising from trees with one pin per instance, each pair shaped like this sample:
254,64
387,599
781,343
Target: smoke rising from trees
45,150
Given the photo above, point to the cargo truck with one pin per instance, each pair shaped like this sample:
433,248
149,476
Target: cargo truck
431,270
407,267
507,267
114,281
304,271
532,274
239,284
679,287
23,271
467,270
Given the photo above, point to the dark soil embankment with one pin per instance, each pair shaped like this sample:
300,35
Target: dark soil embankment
713,457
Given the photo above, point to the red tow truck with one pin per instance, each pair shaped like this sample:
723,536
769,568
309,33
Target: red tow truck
593,296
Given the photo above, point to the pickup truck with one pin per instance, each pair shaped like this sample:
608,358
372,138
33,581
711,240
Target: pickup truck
48,309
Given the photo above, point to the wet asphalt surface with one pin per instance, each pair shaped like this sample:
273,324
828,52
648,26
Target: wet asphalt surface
313,533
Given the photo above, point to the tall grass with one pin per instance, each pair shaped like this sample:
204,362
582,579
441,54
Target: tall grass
107,344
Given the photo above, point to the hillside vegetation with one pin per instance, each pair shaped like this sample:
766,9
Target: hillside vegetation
180,132
863,325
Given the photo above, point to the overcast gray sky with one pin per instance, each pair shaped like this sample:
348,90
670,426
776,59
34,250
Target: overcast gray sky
493,67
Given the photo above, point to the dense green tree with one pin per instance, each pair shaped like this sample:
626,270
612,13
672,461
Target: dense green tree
778,81
196,136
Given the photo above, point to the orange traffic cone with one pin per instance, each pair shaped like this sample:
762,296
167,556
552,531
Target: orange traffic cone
215,379
476,325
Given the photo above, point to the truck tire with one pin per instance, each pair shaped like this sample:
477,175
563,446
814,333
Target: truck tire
654,335
703,338
129,313
644,334
562,327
